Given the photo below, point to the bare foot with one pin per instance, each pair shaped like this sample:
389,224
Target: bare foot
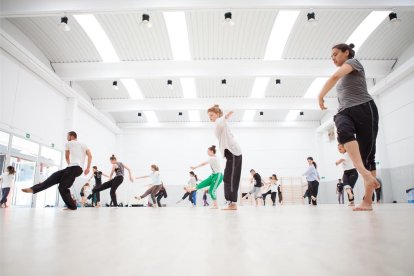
363,207
138,197
230,207
67,209
27,190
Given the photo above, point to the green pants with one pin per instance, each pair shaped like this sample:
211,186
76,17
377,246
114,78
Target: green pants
213,181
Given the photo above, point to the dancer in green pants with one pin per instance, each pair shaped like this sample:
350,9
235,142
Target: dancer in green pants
214,180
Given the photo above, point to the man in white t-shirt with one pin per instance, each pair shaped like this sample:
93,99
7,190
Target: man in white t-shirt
75,158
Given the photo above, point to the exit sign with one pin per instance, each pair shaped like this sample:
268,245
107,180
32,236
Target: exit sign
28,135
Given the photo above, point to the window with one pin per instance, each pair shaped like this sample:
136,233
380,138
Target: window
51,155
25,147
4,141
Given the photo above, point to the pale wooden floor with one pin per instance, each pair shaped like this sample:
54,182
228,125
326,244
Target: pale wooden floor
287,240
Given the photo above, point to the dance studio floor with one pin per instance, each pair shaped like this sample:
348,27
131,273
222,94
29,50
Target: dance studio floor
288,240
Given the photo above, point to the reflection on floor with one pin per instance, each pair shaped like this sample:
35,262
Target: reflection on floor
287,240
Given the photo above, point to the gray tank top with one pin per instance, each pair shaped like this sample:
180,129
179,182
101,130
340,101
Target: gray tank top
120,169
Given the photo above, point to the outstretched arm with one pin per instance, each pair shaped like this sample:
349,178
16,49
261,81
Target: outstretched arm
129,172
139,177
228,115
339,161
330,83
198,166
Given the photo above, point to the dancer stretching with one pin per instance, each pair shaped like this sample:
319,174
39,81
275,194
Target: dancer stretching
156,184
75,158
214,180
118,168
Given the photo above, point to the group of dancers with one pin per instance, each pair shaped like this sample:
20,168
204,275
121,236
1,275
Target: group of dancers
357,127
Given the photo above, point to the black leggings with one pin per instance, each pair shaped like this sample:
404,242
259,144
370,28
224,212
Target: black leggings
272,196
113,184
66,178
349,178
231,176
313,189
190,196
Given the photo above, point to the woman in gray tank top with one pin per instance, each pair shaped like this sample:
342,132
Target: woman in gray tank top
357,117
118,168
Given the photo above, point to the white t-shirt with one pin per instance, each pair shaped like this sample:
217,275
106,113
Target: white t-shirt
347,164
77,153
273,187
7,180
192,182
214,164
155,177
226,138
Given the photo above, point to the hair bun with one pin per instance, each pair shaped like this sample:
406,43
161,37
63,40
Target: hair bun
352,45
113,155
213,146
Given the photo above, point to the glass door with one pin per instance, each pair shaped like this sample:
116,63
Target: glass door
25,177
47,198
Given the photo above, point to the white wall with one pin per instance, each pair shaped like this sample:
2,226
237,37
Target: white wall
29,105
397,107
282,151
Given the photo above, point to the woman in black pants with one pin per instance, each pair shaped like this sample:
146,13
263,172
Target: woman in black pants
117,168
357,118
312,176
350,175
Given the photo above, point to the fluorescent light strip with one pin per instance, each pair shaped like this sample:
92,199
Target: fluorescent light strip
292,115
248,115
282,27
315,88
132,88
98,36
178,34
151,116
189,88
364,30
194,115
259,87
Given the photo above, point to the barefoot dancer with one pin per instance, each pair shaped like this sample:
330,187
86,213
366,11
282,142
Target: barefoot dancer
7,180
312,176
118,168
97,174
156,184
75,158
214,180
350,176
357,117
230,149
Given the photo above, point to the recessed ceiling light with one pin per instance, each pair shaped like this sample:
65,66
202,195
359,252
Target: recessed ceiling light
180,114
278,83
261,113
228,18
394,18
170,84
115,85
223,81
146,20
64,24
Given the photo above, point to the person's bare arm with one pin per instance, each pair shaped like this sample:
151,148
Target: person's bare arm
140,177
200,165
129,172
228,115
112,172
339,161
67,156
330,83
88,166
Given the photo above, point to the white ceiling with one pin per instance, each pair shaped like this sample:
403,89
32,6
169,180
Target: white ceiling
210,39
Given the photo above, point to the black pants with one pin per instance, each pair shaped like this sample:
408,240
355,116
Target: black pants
360,123
4,193
350,177
97,196
377,193
113,184
307,194
231,176
279,191
314,186
272,196
66,178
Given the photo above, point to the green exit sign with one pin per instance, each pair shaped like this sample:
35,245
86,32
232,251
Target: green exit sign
323,177
53,145
28,135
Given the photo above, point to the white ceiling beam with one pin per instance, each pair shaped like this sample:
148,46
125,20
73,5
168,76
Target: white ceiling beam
209,68
285,103
131,127
14,8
